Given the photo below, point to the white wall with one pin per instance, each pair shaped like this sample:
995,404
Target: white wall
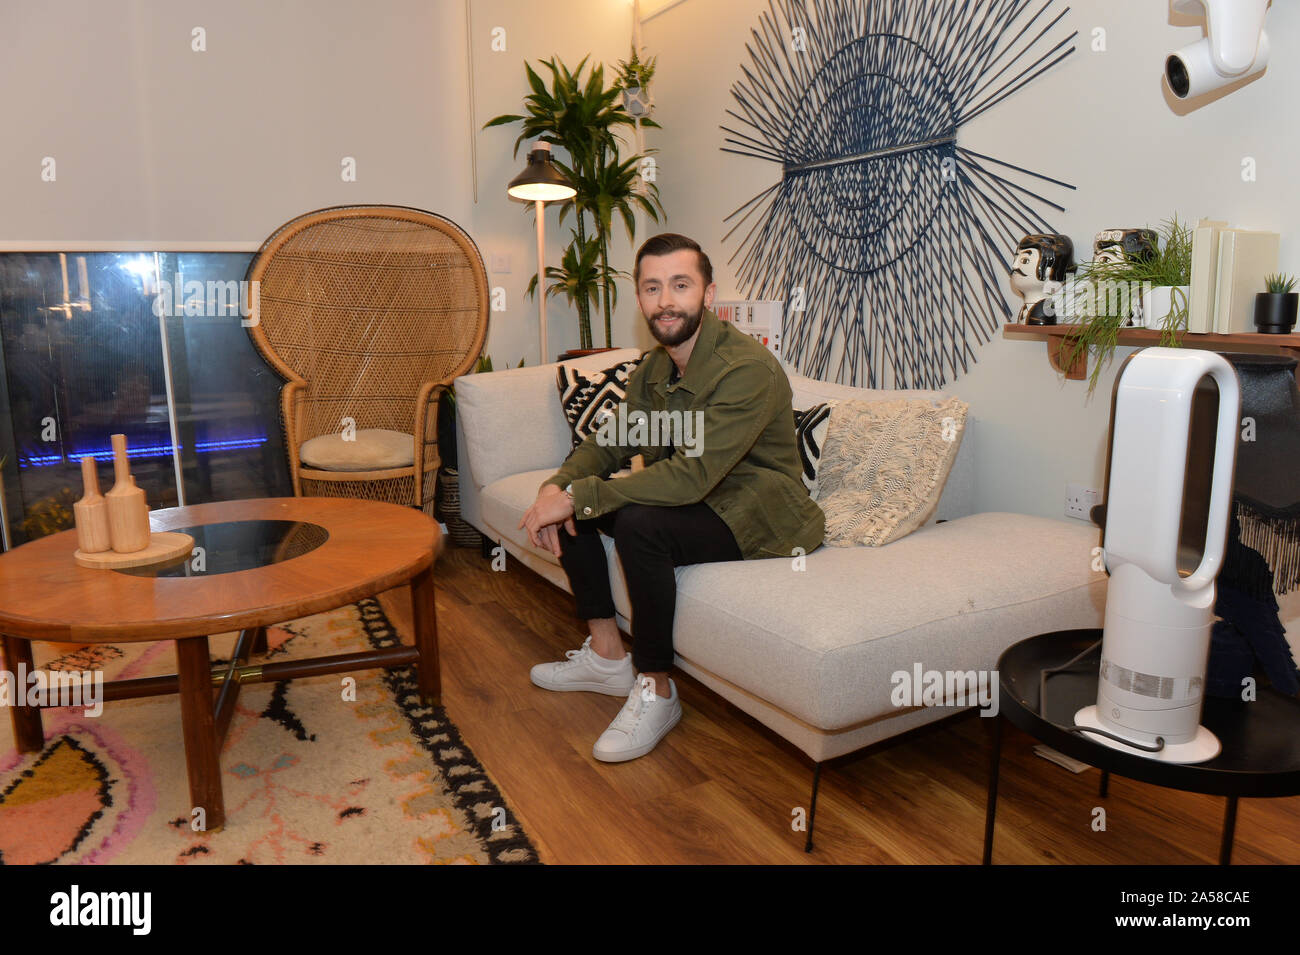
1098,121
154,141
568,30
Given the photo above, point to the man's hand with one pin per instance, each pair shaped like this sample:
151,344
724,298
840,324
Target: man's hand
543,519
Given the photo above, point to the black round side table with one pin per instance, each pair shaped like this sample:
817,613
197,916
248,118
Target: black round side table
1261,738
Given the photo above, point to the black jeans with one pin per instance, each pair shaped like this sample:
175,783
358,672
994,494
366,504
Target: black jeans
650,541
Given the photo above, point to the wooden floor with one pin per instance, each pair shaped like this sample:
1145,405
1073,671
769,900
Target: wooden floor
722,788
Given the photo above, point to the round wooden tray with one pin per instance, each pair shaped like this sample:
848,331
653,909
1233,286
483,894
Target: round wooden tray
163,546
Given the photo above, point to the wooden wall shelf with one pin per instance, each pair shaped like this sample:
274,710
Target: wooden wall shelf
1057,336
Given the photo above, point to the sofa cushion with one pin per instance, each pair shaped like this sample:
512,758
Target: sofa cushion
884,467
822,643
810,436
504,502
512,422
587,398
370,449
959,497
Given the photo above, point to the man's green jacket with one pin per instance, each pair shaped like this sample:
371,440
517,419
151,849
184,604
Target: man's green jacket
742,460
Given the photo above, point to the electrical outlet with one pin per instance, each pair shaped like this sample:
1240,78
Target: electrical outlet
501,263
1080,500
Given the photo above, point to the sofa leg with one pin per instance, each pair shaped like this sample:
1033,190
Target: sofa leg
812,806
485,545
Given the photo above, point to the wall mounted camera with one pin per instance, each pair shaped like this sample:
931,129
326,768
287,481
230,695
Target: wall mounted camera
1235,46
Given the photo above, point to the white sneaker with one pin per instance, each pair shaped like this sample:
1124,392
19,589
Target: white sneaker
586,670
645,719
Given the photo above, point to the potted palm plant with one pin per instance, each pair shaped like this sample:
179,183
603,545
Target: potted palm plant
578,278
582,118
1161,282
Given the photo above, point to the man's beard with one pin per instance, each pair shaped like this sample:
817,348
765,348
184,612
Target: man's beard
684,330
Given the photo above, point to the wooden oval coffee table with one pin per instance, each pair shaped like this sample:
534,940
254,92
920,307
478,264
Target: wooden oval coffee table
256,563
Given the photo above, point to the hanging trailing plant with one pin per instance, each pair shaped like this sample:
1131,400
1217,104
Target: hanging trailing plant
1110,289
635,74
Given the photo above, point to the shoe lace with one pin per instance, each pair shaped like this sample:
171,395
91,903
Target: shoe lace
632,710
578,656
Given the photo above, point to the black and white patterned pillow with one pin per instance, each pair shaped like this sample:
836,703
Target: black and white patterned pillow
810,436
586,400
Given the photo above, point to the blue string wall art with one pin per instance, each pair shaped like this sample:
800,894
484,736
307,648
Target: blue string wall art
889,242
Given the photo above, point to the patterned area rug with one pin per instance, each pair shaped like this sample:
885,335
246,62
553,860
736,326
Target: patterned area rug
319,770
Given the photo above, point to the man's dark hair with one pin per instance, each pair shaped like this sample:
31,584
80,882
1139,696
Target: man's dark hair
666,243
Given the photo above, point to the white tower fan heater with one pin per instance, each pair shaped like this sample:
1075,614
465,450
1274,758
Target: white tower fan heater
1156,641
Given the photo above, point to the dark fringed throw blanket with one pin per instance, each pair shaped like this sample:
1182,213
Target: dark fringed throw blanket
1263,548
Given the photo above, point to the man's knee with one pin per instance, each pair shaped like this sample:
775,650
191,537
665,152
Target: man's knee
634,522
587,538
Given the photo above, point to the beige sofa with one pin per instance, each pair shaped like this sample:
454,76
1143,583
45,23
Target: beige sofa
809,653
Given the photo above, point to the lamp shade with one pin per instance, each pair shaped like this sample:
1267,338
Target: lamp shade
540,180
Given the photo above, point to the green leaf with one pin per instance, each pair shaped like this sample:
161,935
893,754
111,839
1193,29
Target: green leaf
579,116
535,82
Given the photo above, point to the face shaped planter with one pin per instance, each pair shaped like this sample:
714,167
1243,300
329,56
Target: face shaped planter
1116,246
1037,272
637,101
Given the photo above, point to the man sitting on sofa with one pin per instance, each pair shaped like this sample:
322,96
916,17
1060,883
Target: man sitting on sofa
735,494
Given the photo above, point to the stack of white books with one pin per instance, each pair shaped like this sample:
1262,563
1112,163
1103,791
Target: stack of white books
762,321
1228,268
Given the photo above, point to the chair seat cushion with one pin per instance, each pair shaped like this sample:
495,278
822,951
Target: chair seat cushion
369,449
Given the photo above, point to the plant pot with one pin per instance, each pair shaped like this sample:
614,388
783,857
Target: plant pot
462,533
1159,301
1275,312
637,102
580,352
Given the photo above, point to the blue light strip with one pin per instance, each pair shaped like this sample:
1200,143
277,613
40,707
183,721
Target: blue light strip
156,451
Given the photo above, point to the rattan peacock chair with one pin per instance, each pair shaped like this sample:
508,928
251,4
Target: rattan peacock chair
368,313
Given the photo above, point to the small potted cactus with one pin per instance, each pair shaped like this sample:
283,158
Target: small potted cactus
1275,309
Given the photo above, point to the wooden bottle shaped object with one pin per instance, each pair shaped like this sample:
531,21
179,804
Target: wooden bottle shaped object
91,513
128,513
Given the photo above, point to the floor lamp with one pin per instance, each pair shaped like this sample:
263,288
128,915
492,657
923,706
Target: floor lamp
541,182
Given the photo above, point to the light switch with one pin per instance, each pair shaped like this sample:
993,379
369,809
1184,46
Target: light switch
501,262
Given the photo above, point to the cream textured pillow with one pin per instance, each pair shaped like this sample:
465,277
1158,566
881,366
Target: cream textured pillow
884,465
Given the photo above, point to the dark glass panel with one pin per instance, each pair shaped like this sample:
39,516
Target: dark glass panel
81,358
